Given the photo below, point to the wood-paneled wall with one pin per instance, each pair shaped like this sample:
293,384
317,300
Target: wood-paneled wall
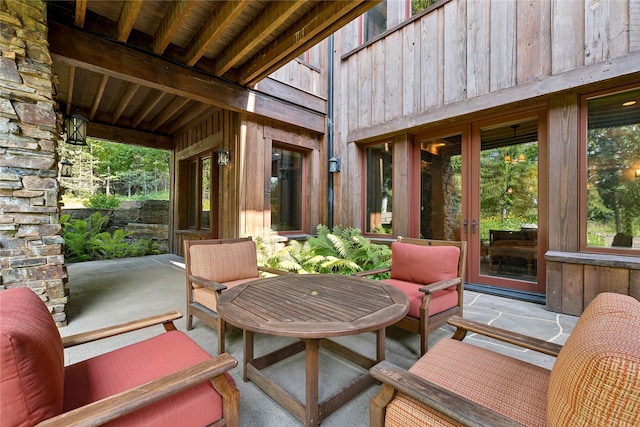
470,60
469,49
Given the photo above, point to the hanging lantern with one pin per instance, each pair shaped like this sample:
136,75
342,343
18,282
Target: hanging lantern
76,127
65,168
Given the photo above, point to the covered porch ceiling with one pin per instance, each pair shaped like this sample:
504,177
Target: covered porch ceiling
141,70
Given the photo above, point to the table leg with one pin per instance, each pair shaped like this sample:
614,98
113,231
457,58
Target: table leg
380,340
312,362
247,343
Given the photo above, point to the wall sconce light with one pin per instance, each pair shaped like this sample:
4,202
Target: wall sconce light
65,168
224,157
637,173
76,127
334,165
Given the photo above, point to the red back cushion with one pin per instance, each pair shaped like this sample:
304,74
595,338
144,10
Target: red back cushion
423,264
224,262
31,360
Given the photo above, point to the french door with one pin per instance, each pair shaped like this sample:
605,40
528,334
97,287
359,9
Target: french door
480,183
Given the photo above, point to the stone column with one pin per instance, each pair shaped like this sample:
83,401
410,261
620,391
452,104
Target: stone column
31,244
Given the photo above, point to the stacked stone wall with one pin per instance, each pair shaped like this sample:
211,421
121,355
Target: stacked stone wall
31,245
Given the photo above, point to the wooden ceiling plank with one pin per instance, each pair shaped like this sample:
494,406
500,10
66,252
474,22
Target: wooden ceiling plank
124,101
149,104
128,16
188,116
98,97
171,23
273,17
72,46
81,12
128,136
166,114
318,23
72,77
214,26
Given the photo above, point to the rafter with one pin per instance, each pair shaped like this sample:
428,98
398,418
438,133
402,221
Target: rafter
81,11
214,26
191,114
78,48
273,16
98,97
149,104
316,25
166,114
124,101
72,78
128,16
171,23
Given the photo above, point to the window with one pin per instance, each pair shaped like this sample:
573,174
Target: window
286,190
378,192
418,6
612,195
199,206
374,22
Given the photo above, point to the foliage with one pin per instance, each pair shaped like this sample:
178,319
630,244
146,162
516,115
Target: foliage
115,169
420,5
338,251
86,240
102,201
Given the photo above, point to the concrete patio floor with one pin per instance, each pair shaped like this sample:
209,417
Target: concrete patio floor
103,293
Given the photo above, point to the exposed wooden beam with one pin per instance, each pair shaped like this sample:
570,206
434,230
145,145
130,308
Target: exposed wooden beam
215,25
191,114
148,105
72,78
316,25
78,48
166,114
171,23
124,101
81,12
98,97
128,136
128,16
275,14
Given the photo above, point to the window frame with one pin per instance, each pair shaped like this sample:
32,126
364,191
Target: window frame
365,221
583,168
195,206
277,145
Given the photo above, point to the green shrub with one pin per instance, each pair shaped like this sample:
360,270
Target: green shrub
102,201
86,240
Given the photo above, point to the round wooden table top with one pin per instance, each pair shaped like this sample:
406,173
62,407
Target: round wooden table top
312,305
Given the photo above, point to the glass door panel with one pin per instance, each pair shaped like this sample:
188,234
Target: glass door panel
509,204
440,187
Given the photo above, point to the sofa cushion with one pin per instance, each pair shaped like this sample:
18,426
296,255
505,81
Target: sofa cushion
511,387
423,264
440,300
224,262
31,360
596,377
139,363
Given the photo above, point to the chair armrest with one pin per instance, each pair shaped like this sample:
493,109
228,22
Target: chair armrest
464,325
442,284
165,319
206,283
274,271
372,272
110,408
456,407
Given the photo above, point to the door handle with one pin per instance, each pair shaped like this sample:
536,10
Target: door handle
473,226
465,225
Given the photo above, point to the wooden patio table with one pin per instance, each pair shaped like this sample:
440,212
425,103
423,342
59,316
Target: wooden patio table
312,308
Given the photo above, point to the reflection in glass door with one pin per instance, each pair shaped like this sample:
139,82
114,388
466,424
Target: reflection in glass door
440,187
508,203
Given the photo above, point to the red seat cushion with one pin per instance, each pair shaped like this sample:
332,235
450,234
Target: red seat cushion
31,360
440,300
423,264
136,364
